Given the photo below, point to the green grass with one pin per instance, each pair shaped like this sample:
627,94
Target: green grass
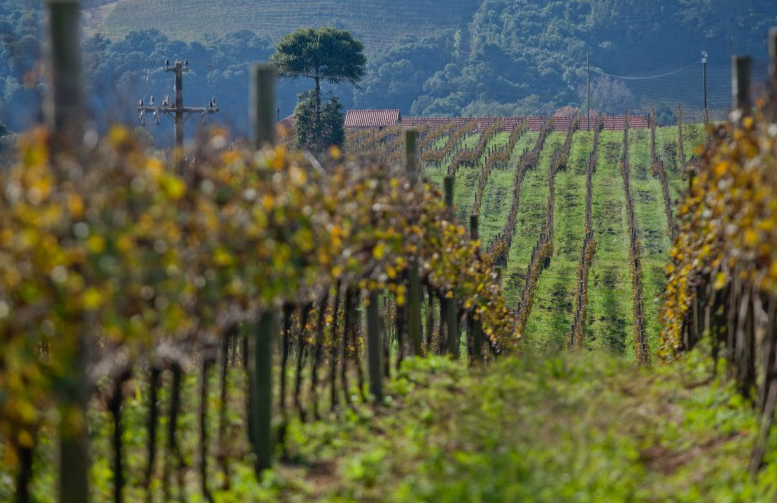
532,208
580,427
610,317
441,141
375,23
498,192
693,136
467,180
666,149
652,229
553,310
436,172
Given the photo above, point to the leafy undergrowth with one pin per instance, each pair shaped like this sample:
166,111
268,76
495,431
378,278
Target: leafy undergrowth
584,427
568,428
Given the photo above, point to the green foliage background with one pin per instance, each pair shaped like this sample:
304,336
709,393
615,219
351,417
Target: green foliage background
453,58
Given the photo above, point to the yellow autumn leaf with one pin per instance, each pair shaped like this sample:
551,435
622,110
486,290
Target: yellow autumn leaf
222,257
124,244
25,439
92,299
720,281
75,206
720,169
751,237
95,243
268,201
379,251
155,167
174,187
118,135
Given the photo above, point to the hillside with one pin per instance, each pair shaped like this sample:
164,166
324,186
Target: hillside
459,58
375,22
495,57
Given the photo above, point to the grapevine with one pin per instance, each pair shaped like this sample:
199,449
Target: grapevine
145,262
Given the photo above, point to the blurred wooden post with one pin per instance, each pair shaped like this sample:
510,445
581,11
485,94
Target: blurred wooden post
414,281
65,117
449,182
475,327
411,148
773,53
451,309
260,390
260,365
771,106
263,104
65,109
740,84
374,368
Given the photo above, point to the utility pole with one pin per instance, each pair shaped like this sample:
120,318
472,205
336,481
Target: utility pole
588,86
704,80
176,110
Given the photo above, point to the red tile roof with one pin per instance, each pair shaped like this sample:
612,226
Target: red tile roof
483,122
372,118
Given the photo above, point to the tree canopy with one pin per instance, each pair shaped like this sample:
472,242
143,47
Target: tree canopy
326,53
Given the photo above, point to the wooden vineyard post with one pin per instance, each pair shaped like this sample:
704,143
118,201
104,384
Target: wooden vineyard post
414,281
475,327
451,310
260,389
65,104
411,150
740,84
773,54
374,347
449,182
772,99
263,104
260,359
65,117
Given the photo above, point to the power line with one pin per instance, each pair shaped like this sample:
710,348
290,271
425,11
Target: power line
622,77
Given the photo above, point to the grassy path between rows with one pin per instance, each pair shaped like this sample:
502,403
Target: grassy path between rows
498,193
553,309
436,172
467,180
576,427
666,149
651,229
532,208
610,304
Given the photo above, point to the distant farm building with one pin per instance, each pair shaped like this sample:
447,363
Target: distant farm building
372,118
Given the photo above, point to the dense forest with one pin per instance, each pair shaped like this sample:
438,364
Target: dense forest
497,58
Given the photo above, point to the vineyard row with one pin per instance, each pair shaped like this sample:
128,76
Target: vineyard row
499,248
543,250
641,350
576,335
